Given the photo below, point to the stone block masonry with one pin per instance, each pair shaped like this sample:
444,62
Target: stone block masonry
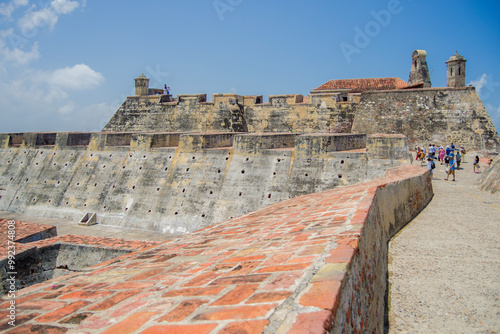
431,115
311,264
180,182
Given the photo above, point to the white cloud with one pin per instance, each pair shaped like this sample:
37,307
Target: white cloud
78,77
64,6
7,9
47,16
480,83
18,56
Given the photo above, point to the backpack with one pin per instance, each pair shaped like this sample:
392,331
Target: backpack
433,165
446,159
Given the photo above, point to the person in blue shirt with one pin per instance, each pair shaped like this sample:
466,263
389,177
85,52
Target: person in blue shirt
453,166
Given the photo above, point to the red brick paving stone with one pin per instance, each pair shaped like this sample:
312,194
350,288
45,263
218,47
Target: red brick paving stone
244,258
240,279
19,321
62,312
237,295
94,322
286,267
130,324
41,305
284,281
112,301
244,268
45,329
342,254
245,327
278,259
131,285
302,259
87,294
266,297
180,329
182,311
315,322
194,292
76,319
145,275
202,279
20,300
236,313
324,295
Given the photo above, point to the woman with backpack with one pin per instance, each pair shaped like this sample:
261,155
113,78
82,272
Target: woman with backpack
453,166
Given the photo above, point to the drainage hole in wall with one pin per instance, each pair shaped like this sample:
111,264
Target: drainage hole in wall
58,182
307,174
279,160
340,176
194,158
65,164
274,173
105,207
140,168
67,203
110,155
85,204
157,189
203,216
341,161
54,163
113,187
78,184
95,184
218,171
240,194
11,178
144,157
133,187
123,167
9,162
104,166
41,152
130,155
187,169
269,196
176,213
91,155
126,209
242,172
170,157
33,199
227,158
211,192
21,161
166,168
50,200
86,165
35,164
247,159
183,190
149,211
26,180
17,197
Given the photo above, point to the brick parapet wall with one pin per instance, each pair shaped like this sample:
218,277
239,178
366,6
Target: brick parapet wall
311,264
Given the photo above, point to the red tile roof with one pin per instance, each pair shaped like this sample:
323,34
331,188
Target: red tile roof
362,85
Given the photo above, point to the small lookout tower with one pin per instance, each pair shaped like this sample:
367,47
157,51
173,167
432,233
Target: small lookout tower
141,85
455,71
419,73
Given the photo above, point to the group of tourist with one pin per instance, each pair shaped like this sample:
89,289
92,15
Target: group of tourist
450,156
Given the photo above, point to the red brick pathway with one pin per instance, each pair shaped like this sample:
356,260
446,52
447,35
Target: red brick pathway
239,276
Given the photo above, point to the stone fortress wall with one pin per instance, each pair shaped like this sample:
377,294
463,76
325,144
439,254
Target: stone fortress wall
178,183
424,115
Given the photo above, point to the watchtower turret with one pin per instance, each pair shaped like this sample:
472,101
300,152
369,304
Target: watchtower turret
419,73
141,85
455,71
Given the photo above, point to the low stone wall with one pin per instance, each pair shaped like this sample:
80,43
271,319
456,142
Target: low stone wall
490,177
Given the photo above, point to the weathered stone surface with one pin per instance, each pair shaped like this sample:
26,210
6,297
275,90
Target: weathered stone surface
129,181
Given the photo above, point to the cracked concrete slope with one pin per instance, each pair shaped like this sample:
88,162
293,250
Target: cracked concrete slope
444,267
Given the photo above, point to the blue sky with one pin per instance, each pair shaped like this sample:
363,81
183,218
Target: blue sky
66,65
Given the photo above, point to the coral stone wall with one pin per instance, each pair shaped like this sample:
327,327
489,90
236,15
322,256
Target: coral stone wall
425,116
